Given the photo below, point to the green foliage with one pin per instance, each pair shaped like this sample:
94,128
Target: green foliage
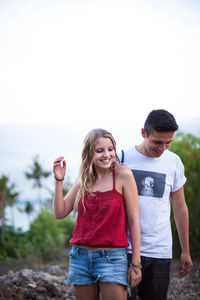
8,197
66,226
187,147
14,245
29,208
49,236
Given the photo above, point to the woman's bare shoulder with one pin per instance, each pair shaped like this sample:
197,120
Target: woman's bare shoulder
124,172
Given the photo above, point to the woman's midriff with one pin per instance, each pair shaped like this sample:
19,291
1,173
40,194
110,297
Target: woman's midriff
96,248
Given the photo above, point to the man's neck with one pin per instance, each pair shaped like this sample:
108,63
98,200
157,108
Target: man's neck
140,148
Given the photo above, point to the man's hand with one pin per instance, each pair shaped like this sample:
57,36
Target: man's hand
186,264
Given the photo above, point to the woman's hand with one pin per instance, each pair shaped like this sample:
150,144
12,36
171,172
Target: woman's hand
134,276
59,168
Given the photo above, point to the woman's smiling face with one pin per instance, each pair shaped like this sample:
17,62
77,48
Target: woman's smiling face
104,153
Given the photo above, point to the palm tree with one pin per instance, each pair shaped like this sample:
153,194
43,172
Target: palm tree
8,196
29,209
36,174
12,200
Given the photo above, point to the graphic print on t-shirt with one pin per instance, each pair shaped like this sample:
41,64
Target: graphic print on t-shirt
150,184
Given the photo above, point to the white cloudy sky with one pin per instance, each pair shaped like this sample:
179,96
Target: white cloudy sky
98,63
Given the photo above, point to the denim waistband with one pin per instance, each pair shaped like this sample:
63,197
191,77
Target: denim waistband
103,252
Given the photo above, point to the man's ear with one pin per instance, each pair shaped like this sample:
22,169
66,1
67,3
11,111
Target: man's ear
143,132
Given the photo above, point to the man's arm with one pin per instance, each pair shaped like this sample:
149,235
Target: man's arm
181,217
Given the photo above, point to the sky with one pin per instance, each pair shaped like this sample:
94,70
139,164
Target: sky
69,66
90,64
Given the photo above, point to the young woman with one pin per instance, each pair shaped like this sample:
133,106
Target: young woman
105,196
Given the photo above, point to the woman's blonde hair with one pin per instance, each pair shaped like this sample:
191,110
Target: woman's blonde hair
87,173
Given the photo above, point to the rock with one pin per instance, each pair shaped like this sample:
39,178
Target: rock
10,273
186,288
30,294
56,270
30,285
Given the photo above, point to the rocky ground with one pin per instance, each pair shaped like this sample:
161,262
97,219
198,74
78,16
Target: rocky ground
27,284
186,288
39,285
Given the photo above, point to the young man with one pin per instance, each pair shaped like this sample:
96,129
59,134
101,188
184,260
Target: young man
159,175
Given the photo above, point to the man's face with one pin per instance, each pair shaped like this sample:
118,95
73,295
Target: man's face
156,143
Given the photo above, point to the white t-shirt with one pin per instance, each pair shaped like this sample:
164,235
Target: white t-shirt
156,178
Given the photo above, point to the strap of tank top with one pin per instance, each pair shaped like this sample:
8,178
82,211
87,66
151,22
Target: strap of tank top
114,179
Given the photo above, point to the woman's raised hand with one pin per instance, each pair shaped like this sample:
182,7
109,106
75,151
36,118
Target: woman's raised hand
59,168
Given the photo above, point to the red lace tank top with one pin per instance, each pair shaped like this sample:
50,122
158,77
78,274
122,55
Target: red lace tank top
103,221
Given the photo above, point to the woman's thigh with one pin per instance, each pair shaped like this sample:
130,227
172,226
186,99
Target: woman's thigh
112,291
87,292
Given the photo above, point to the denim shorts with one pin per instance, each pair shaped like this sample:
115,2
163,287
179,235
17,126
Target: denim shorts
89,266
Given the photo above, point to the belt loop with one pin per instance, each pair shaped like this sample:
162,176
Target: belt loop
103,253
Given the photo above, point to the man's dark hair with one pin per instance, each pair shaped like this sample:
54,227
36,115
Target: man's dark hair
160,120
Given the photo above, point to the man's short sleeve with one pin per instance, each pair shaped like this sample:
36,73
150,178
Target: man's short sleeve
179,178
